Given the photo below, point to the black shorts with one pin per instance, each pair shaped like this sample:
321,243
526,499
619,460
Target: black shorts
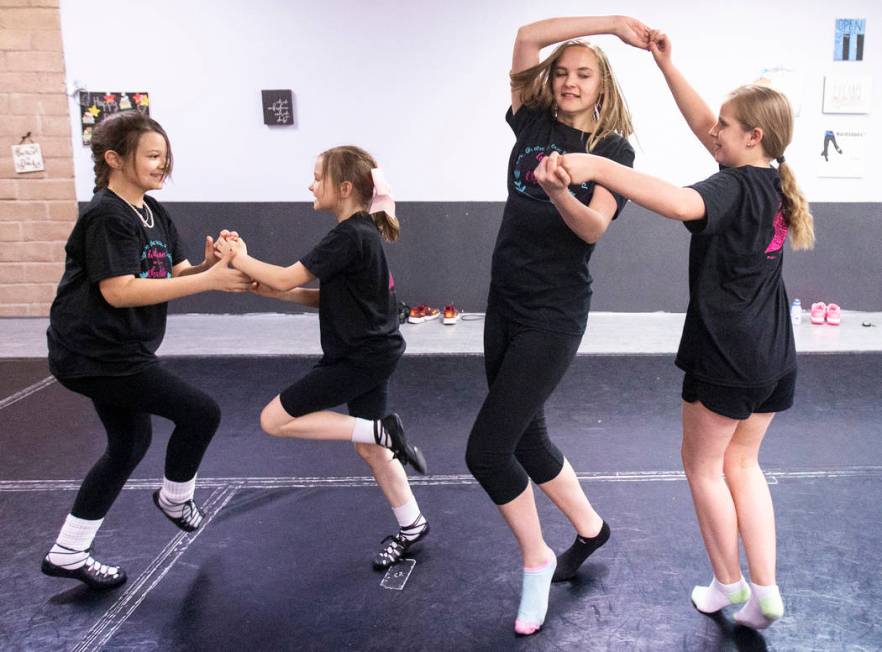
363,390
740,402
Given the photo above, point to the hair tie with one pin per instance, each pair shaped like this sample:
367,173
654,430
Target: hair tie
382,199
780,160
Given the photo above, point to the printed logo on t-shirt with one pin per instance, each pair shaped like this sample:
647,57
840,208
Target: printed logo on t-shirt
524,172
777,243
156,262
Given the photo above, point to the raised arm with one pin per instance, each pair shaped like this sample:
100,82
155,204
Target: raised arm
699,116
659,196
533,37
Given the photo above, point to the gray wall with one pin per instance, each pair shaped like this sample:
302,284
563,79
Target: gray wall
444,254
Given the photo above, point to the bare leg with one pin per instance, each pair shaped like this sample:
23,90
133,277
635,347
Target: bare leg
388,472
566,493
706,435
753,502
325,425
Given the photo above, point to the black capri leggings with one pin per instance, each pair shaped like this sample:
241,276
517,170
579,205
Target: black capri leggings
125,405
509,442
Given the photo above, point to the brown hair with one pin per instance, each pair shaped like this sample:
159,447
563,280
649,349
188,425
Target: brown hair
535,85
760,107
353,164
121,133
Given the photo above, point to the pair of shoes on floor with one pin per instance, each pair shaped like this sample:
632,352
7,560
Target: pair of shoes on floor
394,547
828,313
402,450
423,312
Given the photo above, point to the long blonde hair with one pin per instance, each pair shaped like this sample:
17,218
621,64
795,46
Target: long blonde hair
353,164
535,86
757,106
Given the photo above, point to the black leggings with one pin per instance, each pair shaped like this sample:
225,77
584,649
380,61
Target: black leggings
124,405
509,442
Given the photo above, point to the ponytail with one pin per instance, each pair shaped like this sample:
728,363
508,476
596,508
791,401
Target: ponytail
796,211
387,225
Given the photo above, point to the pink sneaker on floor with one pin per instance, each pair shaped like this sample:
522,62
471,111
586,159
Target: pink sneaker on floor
819,312
834,314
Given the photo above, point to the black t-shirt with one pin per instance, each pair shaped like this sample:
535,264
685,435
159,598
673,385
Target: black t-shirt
738,331
87,336
358,313
540,272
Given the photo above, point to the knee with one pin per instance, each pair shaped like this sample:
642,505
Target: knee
736,466
269,423
372,454
211,415
479,463
202,415
125,460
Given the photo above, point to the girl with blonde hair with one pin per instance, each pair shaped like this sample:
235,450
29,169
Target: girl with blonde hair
737,347
540,287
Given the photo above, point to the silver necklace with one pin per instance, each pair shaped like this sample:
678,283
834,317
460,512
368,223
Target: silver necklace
149,222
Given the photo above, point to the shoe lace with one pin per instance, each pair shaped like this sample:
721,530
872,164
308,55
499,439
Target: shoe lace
190,514
397,547
97,568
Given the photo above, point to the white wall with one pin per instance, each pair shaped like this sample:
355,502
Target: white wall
424,86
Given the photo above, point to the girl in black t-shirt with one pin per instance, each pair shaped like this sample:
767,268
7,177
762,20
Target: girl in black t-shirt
737,346
540,288
358,318
124,262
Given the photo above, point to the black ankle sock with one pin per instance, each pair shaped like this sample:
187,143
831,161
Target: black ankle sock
569,561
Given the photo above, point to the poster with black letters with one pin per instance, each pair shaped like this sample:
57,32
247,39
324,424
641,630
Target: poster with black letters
95,107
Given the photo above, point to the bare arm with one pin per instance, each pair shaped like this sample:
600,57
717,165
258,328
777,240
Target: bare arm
274,276
184,268
699,116
588,222
303,296
659,196
131,291
533,37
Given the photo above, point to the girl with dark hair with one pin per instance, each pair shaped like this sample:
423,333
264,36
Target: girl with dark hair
124,262
737,347
358,318
540,288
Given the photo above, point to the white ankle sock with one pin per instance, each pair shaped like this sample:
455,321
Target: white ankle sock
363,432
74,539
764,607
410,520
173,495
712,598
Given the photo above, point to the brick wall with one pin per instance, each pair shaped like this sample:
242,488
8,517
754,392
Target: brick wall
37,209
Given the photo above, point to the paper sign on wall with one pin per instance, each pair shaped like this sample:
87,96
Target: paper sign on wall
842,152
848,42
28,157
847,93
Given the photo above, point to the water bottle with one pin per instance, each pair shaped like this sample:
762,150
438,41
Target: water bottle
796,312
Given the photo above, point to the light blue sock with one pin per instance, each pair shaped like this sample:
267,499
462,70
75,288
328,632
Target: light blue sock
534,598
